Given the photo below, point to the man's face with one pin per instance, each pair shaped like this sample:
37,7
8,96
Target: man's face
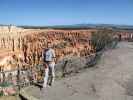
49,45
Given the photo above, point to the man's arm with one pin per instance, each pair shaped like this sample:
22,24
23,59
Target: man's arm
54,57
42,54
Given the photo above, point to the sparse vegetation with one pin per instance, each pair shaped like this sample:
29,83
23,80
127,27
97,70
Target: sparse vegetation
102,38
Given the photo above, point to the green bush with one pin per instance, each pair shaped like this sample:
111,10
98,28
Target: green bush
102,38
5,84
1,93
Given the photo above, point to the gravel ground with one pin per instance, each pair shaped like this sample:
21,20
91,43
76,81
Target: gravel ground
9,98
110,79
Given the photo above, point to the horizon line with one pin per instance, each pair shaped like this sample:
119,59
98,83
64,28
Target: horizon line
66,24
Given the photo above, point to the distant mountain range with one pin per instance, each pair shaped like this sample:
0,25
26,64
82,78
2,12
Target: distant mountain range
83,26
80,26
94,26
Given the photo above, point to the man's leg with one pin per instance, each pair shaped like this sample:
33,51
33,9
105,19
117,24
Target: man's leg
46,77
52,65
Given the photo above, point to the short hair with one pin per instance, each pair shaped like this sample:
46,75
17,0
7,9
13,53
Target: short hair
49,42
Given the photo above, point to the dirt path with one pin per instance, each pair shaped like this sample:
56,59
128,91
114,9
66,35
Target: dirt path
111,79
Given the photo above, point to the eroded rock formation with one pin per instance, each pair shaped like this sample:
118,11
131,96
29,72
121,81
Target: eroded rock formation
30,43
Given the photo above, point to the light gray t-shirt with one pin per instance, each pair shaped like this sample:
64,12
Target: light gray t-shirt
49,55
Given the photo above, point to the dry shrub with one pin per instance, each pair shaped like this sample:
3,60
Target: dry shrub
102,38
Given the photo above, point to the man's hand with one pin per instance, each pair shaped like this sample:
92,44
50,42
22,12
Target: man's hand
54,59
45,65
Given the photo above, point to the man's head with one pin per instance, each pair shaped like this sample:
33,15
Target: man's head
49,45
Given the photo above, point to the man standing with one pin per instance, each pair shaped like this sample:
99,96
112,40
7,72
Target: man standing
49,64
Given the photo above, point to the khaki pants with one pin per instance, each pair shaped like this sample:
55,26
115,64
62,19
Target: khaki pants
49,74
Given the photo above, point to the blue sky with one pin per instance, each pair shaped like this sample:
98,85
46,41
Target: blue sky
66,12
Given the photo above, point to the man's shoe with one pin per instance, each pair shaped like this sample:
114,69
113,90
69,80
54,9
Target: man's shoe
50,84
